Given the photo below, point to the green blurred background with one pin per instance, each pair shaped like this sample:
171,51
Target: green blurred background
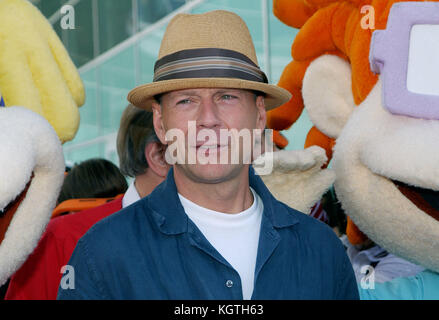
115,44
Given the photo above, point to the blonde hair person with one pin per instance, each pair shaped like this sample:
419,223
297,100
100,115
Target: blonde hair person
141,154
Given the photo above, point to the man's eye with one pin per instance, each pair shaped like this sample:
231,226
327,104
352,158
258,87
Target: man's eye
184,101
228,97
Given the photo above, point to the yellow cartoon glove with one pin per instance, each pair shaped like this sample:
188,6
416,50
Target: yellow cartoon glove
36,70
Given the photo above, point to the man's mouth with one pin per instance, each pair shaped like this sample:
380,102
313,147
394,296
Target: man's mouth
210,148
425,199
9,211
213,146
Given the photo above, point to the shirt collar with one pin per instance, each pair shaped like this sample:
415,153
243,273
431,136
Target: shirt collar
131,196
172,219
274,210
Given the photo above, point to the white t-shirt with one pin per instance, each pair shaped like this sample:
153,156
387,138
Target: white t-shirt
234,236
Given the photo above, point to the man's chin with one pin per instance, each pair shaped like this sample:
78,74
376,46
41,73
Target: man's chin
211,173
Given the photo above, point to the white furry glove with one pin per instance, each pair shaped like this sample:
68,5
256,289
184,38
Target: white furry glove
297,178
30,154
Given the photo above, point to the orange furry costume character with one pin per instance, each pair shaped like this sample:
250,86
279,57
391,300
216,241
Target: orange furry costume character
387,177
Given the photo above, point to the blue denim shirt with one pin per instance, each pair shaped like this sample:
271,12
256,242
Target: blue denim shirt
152,250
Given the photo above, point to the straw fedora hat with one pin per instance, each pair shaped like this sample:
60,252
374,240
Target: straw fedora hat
209,50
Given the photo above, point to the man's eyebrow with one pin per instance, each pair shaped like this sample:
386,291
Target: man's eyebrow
184,93
230,91
189,92
225,91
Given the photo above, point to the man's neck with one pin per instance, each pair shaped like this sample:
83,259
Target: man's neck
231,196
146,182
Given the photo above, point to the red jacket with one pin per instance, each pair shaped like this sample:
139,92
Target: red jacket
40,275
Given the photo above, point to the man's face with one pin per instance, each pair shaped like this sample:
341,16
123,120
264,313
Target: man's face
208,119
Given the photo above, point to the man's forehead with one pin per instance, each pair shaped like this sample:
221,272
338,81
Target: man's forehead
199,91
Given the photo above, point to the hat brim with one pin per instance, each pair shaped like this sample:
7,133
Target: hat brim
143,96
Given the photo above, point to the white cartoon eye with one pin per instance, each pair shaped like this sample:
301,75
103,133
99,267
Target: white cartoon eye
423,64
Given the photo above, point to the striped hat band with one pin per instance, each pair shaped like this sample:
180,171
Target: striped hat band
207,63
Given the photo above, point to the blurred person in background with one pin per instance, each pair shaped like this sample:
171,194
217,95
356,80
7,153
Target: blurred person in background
94,178
141,156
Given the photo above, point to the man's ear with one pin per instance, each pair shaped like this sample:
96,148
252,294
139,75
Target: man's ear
327,94
262,113
155,156
158,123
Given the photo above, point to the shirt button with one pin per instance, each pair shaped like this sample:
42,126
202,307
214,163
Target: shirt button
229,283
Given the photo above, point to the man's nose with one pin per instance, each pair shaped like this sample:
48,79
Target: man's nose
208,115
